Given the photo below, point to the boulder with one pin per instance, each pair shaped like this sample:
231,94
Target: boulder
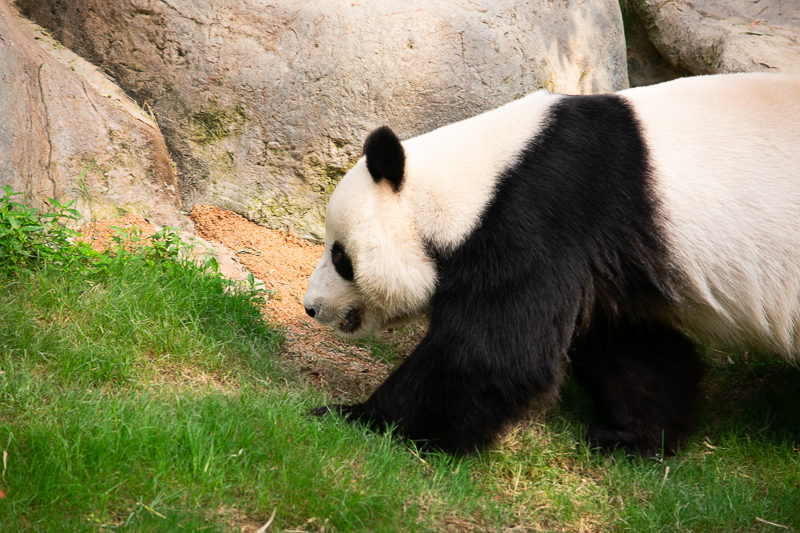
710,36
265,105
69,133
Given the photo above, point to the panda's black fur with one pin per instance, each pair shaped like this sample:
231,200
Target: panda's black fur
568,262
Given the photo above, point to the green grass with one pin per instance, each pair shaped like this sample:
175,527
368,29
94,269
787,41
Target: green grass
140,391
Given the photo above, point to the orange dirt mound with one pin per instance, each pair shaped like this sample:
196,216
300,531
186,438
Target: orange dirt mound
281,260
100,234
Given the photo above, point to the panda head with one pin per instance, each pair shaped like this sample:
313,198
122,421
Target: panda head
375,270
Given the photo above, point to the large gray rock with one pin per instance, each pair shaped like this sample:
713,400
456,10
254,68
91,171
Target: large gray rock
67,132
709,36
264,105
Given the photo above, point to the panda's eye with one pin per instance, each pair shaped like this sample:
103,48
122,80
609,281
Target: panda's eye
341,261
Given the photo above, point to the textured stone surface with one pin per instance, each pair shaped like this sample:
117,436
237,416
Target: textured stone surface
68,133
264,105
646,65
709,36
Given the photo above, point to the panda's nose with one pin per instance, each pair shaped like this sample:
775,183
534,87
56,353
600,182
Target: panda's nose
310,311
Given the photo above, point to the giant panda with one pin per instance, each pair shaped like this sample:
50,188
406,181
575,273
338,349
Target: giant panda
601,233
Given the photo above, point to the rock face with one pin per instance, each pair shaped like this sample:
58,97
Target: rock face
709,36
646,65
68,133
264,105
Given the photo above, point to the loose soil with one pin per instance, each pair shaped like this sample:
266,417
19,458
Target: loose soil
284,263
101,233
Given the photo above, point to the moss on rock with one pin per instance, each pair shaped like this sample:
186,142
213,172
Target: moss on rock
213,123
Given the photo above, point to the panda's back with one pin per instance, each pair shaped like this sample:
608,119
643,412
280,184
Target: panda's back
725,162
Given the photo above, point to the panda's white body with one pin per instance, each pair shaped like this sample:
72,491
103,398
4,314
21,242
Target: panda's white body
725,152
708,173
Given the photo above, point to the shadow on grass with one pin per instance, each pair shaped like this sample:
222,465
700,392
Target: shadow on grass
751,395
743,395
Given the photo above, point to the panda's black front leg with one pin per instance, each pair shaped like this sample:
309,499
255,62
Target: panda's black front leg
462,386
501,324
644,380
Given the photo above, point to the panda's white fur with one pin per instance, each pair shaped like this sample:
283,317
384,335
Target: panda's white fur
695,223
725,152
450,176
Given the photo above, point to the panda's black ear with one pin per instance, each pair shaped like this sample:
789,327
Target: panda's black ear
385,157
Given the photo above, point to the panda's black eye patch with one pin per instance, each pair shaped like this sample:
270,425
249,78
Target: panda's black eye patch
341,261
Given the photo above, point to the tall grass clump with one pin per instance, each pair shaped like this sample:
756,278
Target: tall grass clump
107,317
29,239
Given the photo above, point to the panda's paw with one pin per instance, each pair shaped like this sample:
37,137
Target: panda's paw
356,413
607,440
337,409
642,443
351,413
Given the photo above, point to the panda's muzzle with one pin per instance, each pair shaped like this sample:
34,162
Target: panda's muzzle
351,321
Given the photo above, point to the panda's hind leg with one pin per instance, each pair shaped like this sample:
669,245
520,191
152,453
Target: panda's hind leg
644,381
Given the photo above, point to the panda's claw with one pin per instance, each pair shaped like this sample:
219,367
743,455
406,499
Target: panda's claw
320,411
643,444
348,412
